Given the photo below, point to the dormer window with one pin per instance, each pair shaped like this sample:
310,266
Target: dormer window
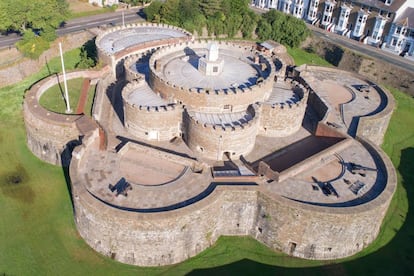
388,2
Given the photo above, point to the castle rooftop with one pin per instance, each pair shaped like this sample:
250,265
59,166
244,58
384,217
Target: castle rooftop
183,71
143,95
223,119
283,93
116,41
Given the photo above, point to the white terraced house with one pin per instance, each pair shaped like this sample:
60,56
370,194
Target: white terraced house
374,22
401,36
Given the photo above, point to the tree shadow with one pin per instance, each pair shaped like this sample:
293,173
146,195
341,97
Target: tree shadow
334,55
395,258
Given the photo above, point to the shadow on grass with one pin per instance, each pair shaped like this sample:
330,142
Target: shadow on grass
395,258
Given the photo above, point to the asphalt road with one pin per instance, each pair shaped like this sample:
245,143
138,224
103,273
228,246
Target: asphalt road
133,15
84,23
364,49
356,46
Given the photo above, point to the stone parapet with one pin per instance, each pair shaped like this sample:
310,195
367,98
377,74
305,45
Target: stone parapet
284,119
130,74
164,238
161,123
373,127
215,140
51,135
113,58
206,99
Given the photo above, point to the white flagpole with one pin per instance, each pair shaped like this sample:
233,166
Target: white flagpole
68,110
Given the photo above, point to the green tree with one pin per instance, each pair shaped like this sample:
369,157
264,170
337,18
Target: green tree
282,28
152,12
88,55
170,13
32,46
42,15
210,7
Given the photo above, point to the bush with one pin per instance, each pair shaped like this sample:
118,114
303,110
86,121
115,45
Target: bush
32,46
88,55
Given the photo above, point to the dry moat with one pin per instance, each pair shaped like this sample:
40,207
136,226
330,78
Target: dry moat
190,140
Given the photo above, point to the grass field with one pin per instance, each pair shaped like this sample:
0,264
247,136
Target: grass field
38,235
53,98
302,57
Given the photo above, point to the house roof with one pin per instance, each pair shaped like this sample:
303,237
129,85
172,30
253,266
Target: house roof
406,18
396,4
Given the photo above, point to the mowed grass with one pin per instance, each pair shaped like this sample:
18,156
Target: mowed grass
38,234
302,57
89,101
53,98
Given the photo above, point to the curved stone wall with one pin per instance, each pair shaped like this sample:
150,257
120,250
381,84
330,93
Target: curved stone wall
208,100
112,59
322,232
163,238
213,140
132,75
161,123
48,133
371,126
374,127
280,120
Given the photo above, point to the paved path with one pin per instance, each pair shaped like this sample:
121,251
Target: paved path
83,96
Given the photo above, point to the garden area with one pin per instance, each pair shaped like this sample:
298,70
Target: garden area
38,234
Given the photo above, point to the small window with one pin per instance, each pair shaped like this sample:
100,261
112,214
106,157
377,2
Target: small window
215,69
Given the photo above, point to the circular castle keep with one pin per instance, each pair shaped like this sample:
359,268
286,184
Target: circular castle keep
190,140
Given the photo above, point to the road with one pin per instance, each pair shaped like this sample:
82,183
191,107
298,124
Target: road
356,46
133,15
83,23
364,49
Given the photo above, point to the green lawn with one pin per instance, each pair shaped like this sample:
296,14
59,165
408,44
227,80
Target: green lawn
53,98
38,235
74,15
89,102
302,57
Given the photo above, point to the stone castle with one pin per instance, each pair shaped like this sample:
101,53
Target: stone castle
190,140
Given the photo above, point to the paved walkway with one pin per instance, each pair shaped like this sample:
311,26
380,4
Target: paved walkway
80,109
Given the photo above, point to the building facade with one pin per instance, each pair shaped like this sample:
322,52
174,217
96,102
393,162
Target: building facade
104,3
400,39
386,23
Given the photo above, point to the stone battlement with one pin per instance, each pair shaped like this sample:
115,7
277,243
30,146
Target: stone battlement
240,124
238,96
133,86
130,74
134,26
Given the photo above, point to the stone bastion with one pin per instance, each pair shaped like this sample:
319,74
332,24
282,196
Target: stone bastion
50,135
161,171
118,42
149,117
161,236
